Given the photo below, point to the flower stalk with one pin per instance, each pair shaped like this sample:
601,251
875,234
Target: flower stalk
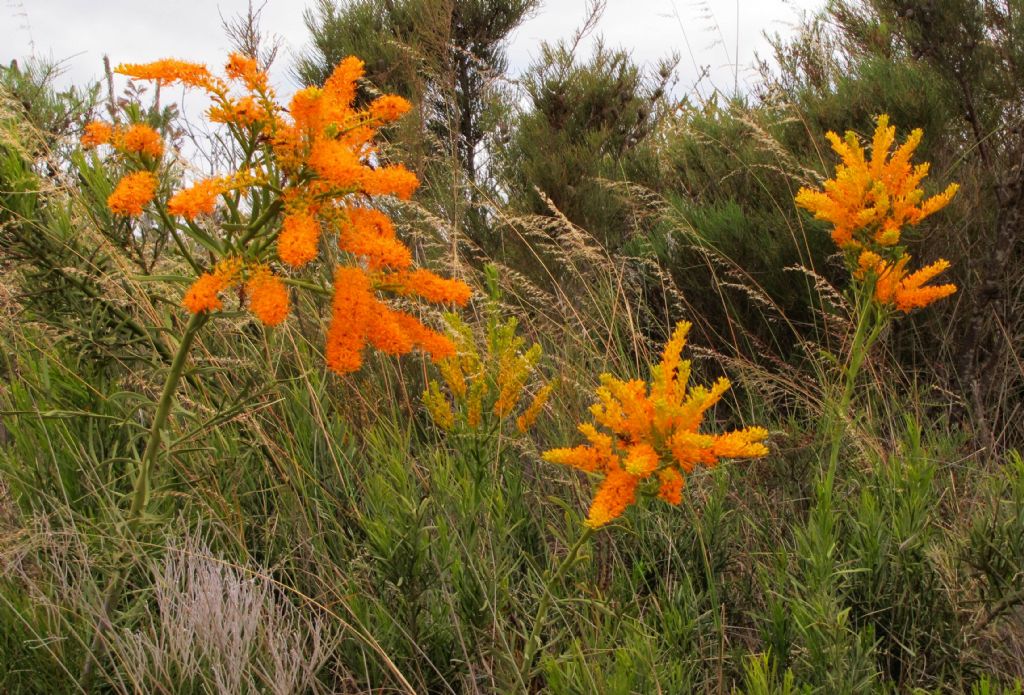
141,488
533,642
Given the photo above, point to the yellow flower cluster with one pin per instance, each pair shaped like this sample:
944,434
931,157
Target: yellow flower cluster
650,435
313,168
869,202
486,383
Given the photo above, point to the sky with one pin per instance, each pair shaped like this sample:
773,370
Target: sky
705,34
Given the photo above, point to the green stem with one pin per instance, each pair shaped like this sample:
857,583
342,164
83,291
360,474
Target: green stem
533,644
256,225
140,491
870,321
140,495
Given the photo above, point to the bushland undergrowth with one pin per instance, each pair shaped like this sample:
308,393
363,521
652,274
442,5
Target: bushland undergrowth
218,475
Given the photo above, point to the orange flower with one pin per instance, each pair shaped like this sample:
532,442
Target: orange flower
389,108
369,233
170,71
437,345
385,331
654,438
244,112
202,295
351,308
340,89
97,133
132,193
268,296
140,139
614,495
198,199
305,108
391,180
242,67
336,164
869,201
893,287
671,488
298,242
428,285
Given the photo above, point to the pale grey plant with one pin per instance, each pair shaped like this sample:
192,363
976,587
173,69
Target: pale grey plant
220,628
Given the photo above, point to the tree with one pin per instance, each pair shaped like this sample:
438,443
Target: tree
448,56
587,121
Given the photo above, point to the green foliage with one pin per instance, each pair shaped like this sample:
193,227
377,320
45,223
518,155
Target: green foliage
588,125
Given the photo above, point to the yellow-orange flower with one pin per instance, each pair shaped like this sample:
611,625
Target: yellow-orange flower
389,108
299,240
525,421
97,133
428,285
242,67
654,435
198,199
132,194
615,493
244,111
671,486
170,71
894,287
268,296
438,407
140,139
870,200
203,294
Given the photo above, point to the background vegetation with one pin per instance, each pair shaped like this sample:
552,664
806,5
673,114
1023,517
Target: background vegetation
322,534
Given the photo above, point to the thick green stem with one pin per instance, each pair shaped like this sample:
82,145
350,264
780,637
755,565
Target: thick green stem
140,494
140,491
533,644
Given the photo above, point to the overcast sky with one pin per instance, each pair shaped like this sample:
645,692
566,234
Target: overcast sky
704,34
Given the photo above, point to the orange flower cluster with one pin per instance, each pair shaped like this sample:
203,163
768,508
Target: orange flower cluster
893,287
360,319
137,188
203,294
140,139
132,193
314,169
653,436
137,138
268,295
868,203
97,133
199,199
169,71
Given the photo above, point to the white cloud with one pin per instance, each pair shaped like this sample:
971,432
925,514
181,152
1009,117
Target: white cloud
701,32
